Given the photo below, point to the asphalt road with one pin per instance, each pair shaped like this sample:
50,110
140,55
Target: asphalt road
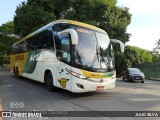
125,96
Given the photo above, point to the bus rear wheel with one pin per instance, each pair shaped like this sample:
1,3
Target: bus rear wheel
49,81
16,72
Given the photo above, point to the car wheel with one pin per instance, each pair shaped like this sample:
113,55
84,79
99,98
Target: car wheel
49,81
142,81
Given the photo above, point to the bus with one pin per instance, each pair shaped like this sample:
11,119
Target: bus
67,54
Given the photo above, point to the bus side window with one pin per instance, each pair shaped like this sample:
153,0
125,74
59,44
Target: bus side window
18,48
15,49
23,46
30,44
38,40
57,28
65,49
47,39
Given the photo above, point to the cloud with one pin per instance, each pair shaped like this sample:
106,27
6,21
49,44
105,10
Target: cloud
144,38
145,23
141,6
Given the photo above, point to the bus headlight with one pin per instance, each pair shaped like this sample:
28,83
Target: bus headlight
82,76
76,74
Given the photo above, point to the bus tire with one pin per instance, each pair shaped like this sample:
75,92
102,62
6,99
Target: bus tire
17,73
49,81
14,71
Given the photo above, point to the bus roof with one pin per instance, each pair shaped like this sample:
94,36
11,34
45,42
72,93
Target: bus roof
62,21
81,24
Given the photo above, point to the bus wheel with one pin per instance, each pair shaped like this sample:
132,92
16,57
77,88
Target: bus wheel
14,71
49,81
17,73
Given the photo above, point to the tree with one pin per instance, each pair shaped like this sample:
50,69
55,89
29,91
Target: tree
102,13
7,37
32,15
155,56
156,52
132,57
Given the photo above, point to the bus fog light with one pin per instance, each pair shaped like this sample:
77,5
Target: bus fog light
80,86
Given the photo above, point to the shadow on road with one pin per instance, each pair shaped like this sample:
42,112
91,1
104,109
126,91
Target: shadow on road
38,85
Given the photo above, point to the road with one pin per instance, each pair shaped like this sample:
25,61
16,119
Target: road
124,97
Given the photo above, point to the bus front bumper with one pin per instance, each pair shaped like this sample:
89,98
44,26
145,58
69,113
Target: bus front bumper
79,85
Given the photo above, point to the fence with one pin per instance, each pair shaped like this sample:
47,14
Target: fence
151,70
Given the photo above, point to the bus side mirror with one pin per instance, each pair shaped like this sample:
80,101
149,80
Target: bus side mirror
120,43
74,35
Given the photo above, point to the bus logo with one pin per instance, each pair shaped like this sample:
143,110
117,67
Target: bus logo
63,82
95,75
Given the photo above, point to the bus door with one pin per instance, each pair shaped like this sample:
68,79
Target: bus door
64,78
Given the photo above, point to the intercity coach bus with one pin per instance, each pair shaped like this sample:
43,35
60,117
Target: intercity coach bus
67,54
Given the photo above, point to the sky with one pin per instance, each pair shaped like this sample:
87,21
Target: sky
145,23
7,9
144,27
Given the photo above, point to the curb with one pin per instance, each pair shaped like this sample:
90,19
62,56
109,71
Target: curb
153,80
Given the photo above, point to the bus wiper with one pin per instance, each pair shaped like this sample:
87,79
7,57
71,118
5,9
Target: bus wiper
103,58
95,57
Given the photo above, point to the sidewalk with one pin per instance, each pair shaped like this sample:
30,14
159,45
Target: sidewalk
4,68
145,79
154,79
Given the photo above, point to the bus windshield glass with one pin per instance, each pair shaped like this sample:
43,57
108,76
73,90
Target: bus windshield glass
94,51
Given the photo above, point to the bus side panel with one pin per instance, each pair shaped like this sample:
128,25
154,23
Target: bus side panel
18,61
50,63
33,65
12,63
21,61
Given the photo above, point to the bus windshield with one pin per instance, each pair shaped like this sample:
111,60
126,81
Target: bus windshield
94,51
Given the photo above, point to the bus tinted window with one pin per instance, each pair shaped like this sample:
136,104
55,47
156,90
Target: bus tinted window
57,28
24,47
41,40
47,39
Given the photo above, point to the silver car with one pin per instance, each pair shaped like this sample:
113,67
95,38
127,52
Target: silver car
134,74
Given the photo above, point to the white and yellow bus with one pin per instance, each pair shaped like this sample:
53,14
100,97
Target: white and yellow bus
67,54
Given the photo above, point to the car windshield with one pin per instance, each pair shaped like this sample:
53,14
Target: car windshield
134,70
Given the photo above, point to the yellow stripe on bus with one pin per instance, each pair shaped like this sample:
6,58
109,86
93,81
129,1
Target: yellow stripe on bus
19,60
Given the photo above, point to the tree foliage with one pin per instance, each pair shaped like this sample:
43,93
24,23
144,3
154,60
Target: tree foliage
32,15
155,56
102,13
7,37
132,57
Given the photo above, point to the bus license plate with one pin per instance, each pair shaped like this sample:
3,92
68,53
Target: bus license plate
100,88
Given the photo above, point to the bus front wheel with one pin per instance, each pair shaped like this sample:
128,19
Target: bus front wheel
49,81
